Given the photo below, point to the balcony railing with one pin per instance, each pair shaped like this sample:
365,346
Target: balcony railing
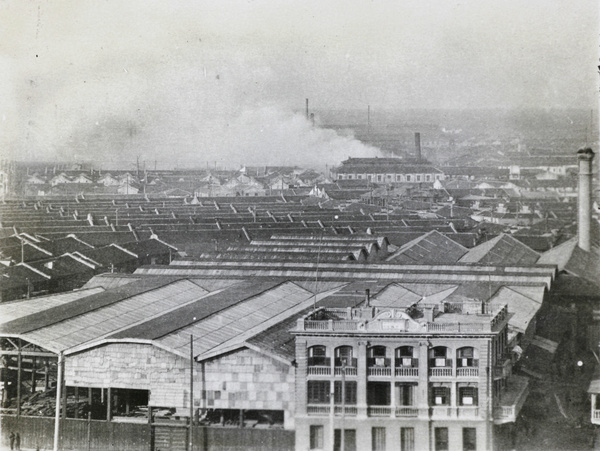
325,409
394,326
407,411
402,371
467,372
319,370
350,411
380,371
379,411
504,413
441,372
318,409
348,371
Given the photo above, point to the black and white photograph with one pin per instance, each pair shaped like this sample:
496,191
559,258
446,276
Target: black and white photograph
312,225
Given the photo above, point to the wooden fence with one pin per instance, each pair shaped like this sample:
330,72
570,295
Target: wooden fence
95,435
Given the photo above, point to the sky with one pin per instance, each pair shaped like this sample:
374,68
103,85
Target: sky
225,81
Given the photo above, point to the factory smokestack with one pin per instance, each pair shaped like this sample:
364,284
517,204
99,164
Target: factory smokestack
584,218
307,109
418,146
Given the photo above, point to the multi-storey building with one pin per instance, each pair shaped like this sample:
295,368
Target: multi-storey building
430,376
387,170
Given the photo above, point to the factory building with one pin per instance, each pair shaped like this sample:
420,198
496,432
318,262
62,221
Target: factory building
387,170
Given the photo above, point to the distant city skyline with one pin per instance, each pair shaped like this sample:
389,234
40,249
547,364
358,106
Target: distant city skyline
221,81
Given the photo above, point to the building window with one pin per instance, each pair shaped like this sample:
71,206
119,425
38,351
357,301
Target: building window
405,394
350,176
441,439
317,437
340,176
369,177
469,439
398,177
349,440
379,177
359,176
465,357
378,439
419,178
377,356
440,395
317,356
437,357
409,178
467,395
428,178
378,393
407,439
344,354
404,357
389,176
350,392
318,392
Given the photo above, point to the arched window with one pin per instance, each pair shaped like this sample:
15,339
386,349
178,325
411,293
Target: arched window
344,354
377,356
438,357
404,357
465,357
317,356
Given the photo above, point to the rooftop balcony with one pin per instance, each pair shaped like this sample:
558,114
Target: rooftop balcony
455,318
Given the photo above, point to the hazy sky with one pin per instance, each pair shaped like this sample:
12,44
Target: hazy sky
220,80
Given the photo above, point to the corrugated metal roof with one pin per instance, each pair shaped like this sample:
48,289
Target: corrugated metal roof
52,315
501,250
10,311
110,280
183,317
522,307
431,248
122,312
396,296
242,318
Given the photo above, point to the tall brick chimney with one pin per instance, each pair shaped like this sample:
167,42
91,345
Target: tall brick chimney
584,217
418,146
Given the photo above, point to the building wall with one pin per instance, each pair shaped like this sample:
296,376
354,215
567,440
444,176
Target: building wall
133,366
424,425
247,379
424,433
241,380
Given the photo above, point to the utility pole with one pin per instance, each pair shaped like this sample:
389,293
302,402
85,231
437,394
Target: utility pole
191,441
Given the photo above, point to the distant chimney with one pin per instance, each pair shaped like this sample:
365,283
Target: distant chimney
307,109
368,297
418,146
584,219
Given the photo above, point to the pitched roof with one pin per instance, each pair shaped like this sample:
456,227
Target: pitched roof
501,250
431,248
568,256
524,307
